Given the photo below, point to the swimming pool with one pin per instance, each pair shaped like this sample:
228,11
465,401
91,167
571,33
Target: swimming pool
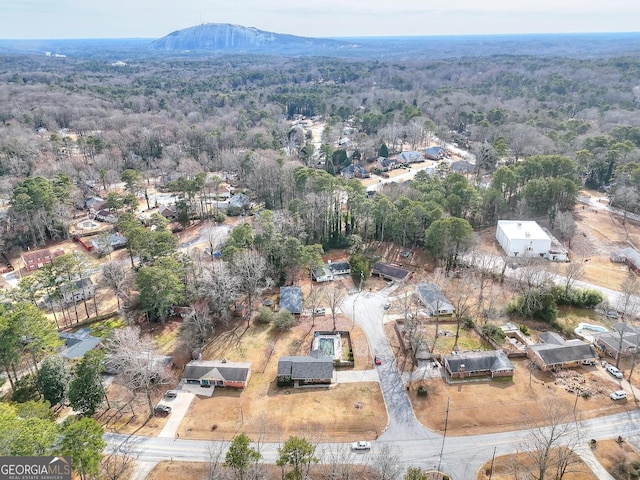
591,328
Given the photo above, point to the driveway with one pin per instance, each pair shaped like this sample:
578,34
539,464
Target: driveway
179,406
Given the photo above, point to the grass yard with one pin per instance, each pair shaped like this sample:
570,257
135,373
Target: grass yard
508,467
617,458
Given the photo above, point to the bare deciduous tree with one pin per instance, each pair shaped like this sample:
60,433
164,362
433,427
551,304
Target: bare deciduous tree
554,432
118,464
250,269
386,464
118,279
334,295
139,367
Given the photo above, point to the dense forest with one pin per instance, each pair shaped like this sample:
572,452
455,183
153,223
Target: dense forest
540,127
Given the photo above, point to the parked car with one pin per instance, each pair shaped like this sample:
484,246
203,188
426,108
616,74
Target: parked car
360,446
162,410
377,360
405,253
387,305
618,395
267,302
171,394
614,371
319,311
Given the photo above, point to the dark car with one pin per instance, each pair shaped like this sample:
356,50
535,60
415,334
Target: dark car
162,410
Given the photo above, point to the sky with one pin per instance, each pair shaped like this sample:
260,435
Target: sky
49,19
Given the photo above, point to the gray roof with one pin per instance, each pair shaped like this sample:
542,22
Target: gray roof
115,240
78,343
630,340
494,361
412,156
431,296
462,166
434,151
217,370
239,200
570,351
338,266
632,255
390,271
291,299
77,285
552,338
306,368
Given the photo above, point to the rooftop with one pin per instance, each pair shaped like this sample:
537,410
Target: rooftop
522,230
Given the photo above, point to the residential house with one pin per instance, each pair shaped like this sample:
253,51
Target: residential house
386,164
93,202
432,298
34,260
240,200
112,242
463,167
339,268
622,341
291,299
389,272
434,153
76,344
556,352
77,290
322,274
410,157
169,212
354,171
629,256
317,368
522,238
479,364
217,373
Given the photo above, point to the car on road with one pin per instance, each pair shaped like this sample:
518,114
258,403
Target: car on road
171,394
162,410
361,446
614,371
319,311
618,395
377,360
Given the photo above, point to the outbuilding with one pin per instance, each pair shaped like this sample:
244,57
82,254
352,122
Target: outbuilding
522,238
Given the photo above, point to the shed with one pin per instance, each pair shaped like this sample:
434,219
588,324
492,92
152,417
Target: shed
522,238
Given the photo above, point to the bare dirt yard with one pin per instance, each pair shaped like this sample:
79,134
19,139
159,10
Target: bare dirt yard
477,407
341,412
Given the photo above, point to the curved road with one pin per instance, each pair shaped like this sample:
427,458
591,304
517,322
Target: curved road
461,457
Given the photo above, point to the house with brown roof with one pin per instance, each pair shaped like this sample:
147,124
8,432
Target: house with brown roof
35,260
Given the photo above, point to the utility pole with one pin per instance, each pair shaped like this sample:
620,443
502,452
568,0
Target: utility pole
444,435
492,460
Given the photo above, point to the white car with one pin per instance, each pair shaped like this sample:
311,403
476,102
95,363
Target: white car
362,445
319,312
614,371
618,395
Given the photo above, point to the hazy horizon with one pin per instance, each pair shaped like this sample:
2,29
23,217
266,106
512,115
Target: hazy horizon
75,19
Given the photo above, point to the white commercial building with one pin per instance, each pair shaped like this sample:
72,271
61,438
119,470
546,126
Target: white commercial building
522,238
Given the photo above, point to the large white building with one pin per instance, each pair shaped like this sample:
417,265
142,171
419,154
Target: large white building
523,238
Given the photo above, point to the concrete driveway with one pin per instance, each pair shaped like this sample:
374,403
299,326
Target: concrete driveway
179,406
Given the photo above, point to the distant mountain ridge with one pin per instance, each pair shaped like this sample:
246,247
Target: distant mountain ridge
225,37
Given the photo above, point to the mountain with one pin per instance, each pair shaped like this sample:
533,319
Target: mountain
224,37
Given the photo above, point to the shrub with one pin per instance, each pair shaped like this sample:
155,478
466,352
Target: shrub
284,381
468,323
283,320
422,391
493,331
265,315
524,330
